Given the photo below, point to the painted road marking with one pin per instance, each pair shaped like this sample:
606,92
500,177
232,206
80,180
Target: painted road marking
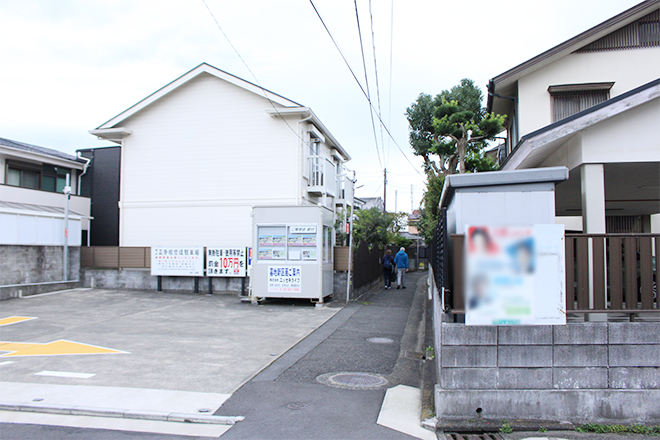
65,374
14,320
6,362
55,348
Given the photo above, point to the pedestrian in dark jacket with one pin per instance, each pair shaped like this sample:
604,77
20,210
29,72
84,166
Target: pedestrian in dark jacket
401,261
388,268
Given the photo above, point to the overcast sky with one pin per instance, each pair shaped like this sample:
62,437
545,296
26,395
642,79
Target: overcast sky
67,66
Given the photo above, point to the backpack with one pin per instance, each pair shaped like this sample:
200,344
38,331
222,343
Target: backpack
387,262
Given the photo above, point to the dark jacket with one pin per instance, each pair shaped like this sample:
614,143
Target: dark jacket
388,262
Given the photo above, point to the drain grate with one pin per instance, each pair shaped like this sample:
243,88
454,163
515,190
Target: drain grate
353,381
380,340
472,436
297,406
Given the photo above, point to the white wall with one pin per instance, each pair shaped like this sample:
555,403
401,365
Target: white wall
628,69
198,158
25,229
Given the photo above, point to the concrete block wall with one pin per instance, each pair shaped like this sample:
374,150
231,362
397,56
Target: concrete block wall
580,372
141,279
30,269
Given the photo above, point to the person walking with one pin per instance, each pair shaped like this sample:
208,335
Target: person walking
388,268
401,261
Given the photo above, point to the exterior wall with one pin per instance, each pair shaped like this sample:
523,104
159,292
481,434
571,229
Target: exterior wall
28,228
535,105
198,159
604,142
101,184
26,270
77,204
582,372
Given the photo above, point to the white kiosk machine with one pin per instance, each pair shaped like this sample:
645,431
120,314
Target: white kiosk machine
293,252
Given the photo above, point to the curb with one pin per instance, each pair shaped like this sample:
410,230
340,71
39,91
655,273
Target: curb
162,416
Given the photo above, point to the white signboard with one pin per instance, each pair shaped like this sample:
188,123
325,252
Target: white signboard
284,279
226,262
177,261
302,229
514,275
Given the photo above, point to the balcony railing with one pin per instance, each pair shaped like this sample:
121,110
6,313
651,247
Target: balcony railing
322,176
604,273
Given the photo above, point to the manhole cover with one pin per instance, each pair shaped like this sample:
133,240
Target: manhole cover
472,436
380,340
353,381
297,406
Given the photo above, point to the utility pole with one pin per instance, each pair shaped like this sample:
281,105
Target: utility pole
396,197
384,189
67,194
412,205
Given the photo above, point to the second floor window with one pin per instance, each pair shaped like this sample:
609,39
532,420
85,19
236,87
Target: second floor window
570,99
45,177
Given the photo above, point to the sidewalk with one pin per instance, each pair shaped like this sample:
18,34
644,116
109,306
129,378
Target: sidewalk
300,396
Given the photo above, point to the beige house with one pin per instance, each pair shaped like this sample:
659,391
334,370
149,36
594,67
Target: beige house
592,104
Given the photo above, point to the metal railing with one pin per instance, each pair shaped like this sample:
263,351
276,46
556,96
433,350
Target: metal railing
322,175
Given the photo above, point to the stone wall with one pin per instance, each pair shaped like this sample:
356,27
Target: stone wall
579,372
28,270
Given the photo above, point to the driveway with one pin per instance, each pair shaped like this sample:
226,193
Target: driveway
143,351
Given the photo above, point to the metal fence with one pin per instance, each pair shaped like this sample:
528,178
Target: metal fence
438,254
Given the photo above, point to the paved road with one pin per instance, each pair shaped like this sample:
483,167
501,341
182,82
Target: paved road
340,345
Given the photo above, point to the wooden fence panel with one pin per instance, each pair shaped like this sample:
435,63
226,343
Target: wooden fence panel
106,256
582,256
615,273
600,296
131,257
630,274
341,258
646,272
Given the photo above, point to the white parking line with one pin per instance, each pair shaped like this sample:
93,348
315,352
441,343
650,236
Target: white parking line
65,374
6,362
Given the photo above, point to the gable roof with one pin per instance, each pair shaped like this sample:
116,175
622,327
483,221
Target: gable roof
202,68
543,142
43,151
508,78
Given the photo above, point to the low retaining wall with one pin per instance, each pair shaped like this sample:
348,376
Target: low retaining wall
141,279
31,269
579,372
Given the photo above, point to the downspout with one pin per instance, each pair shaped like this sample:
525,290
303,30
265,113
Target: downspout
491,92
301,156
87,162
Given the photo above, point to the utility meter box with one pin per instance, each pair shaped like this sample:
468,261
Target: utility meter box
293,255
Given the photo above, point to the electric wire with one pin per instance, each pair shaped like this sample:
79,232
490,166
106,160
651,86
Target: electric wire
373,45
366,81
254,76
362,88
389,100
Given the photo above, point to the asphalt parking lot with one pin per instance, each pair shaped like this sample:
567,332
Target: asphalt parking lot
171,341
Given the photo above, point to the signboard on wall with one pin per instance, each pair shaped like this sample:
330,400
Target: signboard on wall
177,261
226,262
514,275
284,279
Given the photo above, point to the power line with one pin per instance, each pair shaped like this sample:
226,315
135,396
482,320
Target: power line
373,45
253,75
362,89
389,100
366,81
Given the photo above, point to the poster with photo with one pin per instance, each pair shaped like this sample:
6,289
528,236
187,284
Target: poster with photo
295,240
266,240
279,254
265,254
279,240
309,240
511,272
309,254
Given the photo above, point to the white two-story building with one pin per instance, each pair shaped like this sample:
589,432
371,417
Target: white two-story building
202,155
592,104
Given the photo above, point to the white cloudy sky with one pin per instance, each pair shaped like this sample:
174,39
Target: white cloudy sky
67,66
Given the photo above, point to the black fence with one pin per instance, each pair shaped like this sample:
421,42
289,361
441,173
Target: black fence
439,256
366,265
